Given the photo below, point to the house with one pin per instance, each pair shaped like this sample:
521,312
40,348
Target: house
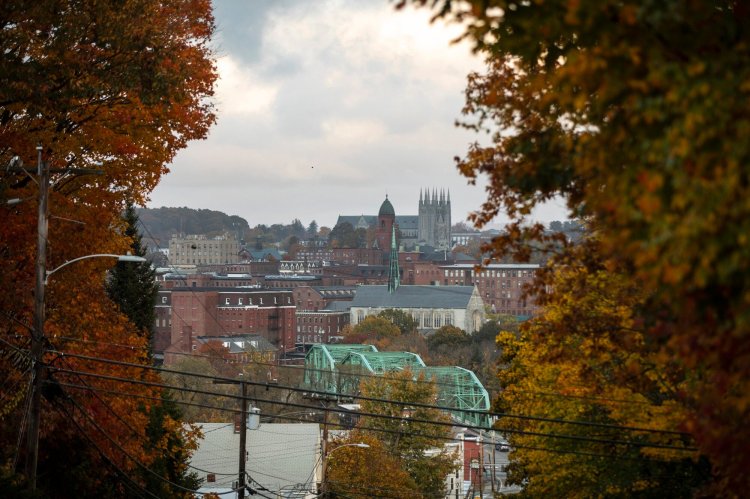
282,459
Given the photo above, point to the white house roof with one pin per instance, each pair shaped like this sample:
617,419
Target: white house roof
279,456
456,297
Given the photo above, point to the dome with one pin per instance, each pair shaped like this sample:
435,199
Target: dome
386,208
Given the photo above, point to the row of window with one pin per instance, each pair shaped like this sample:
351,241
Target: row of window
240,301
315,329
311,338
490,273
423,319
315,319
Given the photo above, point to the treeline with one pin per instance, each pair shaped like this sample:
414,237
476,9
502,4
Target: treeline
159,224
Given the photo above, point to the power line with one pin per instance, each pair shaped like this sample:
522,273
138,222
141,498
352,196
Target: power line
106,458
374,429
367,375
574,437
125,452
427,406
373,399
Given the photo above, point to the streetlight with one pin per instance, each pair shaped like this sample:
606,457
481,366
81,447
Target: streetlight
37,348
120,258
323,486
41,275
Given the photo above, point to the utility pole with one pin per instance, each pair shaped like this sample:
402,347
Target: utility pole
481,466
492,460
243,440
38,370
37,335
323,453
243,434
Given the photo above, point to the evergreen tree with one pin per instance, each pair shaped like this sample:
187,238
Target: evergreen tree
312,229
133,285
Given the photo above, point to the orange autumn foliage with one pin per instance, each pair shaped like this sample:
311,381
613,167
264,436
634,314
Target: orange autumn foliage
116,86
636,115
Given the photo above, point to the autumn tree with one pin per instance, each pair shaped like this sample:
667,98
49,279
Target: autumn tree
584,370
366,472
635,115
373,329
449,345
118,87
192,393
403,320
407,432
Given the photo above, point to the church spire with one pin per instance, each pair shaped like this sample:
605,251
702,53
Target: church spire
393,270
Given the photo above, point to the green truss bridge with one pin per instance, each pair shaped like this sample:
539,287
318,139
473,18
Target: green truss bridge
338,368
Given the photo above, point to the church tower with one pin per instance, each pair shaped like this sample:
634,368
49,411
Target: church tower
394,273
435,218
386,222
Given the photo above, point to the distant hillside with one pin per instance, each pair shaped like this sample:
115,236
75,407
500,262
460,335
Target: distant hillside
161,223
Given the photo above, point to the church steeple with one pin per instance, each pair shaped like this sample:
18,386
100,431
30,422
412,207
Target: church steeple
393,270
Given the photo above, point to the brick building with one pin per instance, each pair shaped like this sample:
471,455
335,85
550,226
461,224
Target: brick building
186,312
314,298
500,285
322,326
203,250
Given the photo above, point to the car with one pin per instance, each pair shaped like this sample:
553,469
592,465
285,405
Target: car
502,446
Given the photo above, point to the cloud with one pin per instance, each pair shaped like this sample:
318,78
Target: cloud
238,91
325,106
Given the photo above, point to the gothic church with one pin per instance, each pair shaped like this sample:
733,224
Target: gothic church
431,227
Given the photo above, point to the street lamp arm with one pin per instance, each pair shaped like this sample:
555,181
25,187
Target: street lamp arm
360,445
120,258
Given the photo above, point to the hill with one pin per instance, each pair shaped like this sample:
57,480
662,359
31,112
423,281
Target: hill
159,224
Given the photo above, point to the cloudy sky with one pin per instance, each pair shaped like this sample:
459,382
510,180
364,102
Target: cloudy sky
324,107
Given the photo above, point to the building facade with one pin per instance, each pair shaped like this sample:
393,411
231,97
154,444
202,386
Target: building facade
202,250
431,306
185,313
500,285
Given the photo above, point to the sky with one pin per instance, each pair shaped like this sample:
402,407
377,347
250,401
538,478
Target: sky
325,107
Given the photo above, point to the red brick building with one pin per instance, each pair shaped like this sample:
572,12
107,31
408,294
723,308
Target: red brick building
500,285
323,326
314,298
186,312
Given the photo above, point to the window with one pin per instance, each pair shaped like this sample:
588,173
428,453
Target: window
226,301
164,299
239,301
